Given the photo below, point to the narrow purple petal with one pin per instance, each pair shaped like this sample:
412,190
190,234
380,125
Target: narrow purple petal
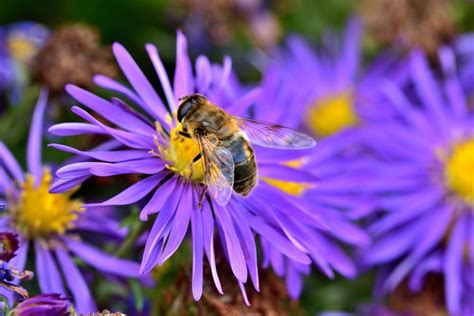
35,166
160,70
10,163
236,255
240,106
134,193
129,139
63,185
159,199
294,281
180,224
244,293
47,272
150,165
453,261
159,230
111,84
208,232
197,235
108,156
74,129
152,102
432,263
83,300
109,111
103,261
203,74
183,77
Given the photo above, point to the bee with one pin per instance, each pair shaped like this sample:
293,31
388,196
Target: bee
225,144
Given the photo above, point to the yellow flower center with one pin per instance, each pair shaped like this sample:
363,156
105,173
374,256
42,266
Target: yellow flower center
21,49
40,213
181,153
292,188
459,170
332,114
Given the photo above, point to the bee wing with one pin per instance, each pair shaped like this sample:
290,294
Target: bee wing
218,170
274,136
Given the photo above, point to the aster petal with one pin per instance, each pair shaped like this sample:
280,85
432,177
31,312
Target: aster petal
103,261
142,166
197,236
74,129
105,155
428,90
285,173
240,106
349,61
432,263
244,293
452,84
348,232
160,70
183,76
63,185
438,221
152,102
134,193
208,236
294,282
129,139
229,237
159,199
392,245
10,163
419,204
111,84
35,166
248,244
159,229
453,261
277,239
49,278
335,256
203,74
180,224
109,111
83,301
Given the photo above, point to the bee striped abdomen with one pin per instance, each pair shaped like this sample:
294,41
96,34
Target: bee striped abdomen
245,172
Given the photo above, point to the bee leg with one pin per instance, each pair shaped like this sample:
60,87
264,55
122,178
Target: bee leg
184,134
201,197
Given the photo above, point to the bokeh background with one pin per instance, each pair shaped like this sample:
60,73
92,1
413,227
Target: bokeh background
246,30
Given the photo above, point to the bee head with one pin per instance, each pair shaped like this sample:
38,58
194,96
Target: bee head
187,103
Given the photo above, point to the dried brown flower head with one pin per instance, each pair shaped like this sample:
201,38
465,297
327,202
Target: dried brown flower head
411,23
73,55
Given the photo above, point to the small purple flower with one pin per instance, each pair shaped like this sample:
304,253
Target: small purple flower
19,43
53,224
422,182
44,305
336,92
293,236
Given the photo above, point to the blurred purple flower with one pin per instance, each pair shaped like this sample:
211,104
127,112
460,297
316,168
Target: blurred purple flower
19,42
422,181
43,305
53,223
288,229
336,92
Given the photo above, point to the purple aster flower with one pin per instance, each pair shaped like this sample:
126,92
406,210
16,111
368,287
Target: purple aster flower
422,181
292,234
53,223
336,91
19,43
43,305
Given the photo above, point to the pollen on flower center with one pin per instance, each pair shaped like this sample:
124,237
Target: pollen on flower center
332,114
40,213
21,48
181,154
459,170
